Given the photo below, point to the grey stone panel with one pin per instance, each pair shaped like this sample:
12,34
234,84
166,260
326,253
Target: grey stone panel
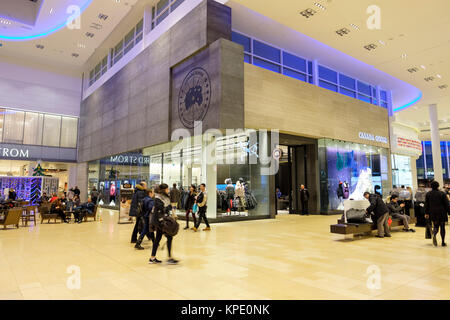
218,22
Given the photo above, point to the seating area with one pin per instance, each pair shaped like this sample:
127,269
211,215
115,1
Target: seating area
362,228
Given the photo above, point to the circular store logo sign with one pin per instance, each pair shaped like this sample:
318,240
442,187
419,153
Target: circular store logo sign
194,97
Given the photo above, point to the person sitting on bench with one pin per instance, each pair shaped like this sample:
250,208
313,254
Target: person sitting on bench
56,208
381,213
396,212
79,212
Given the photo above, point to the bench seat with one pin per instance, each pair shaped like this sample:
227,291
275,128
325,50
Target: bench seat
360,228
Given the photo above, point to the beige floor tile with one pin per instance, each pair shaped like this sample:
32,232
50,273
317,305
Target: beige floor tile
291,257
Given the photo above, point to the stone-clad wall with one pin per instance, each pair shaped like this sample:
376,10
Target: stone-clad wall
131,110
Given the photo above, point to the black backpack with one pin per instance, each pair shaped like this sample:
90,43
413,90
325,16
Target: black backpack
170,226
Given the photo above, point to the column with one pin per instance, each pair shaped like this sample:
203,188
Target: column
436,145
147,21
413,162
315,66
78,176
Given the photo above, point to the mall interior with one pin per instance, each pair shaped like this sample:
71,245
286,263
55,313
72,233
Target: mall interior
254,98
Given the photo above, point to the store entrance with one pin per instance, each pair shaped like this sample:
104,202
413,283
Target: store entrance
297,167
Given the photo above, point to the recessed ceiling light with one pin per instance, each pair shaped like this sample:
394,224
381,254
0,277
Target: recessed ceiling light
382,42
404,55
354,26
427,79
342,32
319,6
370,47
444,86
75,55
89,34
102,16
423,67
412,70
439,76
3,21
80,45
308,13
51,10
39,46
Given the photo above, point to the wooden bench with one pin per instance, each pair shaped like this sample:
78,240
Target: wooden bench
12,217
362,228
44,212
91,215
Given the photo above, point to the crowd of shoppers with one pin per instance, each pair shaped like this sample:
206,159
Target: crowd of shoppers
435,205
155,212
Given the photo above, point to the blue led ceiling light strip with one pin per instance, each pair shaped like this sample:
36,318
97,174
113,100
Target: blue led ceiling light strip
408,104
46,33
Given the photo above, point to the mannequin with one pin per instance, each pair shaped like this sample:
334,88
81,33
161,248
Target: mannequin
230,194
346,190
112,192
340,195
240,194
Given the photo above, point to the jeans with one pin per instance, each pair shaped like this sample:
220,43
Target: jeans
158,237
404,218
146,230
134,235
202,215
193,217
383,225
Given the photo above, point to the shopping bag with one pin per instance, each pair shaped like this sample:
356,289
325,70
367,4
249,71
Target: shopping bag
389,221
428,230
195,208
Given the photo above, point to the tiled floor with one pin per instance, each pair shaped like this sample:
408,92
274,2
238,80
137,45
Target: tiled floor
291,257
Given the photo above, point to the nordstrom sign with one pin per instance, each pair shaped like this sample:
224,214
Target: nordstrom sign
371,137
14,152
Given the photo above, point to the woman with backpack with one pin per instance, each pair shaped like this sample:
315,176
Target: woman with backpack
162,209
189,205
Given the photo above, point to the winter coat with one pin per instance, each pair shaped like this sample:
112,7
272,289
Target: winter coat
437,206
139,194
377,206
162,208
175,195
147,206
394,208
190,201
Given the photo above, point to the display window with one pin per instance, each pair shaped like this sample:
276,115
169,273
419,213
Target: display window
348,169
401,170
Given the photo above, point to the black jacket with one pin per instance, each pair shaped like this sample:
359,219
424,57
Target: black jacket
394,208
190,201
162,208
377,206
139,194
304,195
436,205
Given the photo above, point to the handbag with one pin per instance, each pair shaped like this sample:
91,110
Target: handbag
428,230
356,215
389,221
195,208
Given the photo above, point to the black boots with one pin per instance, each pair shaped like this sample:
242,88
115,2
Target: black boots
138,245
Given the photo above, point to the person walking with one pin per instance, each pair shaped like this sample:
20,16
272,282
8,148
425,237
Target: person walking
396,212
304,198
147,207
381,213
189,204
162,208
437,209
175,195
201,202
94,195
135,207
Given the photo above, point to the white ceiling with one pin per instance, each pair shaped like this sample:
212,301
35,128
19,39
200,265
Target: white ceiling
416,28
59,46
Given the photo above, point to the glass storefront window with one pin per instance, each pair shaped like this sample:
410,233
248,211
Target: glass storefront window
69,128
33,128
348,169
13,126
401,170
52,130
2,117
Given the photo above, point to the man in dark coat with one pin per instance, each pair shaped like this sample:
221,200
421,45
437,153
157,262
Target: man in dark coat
381,213
136,202
304,197
437,209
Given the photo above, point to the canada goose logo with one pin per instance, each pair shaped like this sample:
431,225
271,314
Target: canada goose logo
194,97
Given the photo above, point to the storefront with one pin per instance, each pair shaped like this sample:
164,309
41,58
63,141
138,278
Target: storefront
405,150
348,169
